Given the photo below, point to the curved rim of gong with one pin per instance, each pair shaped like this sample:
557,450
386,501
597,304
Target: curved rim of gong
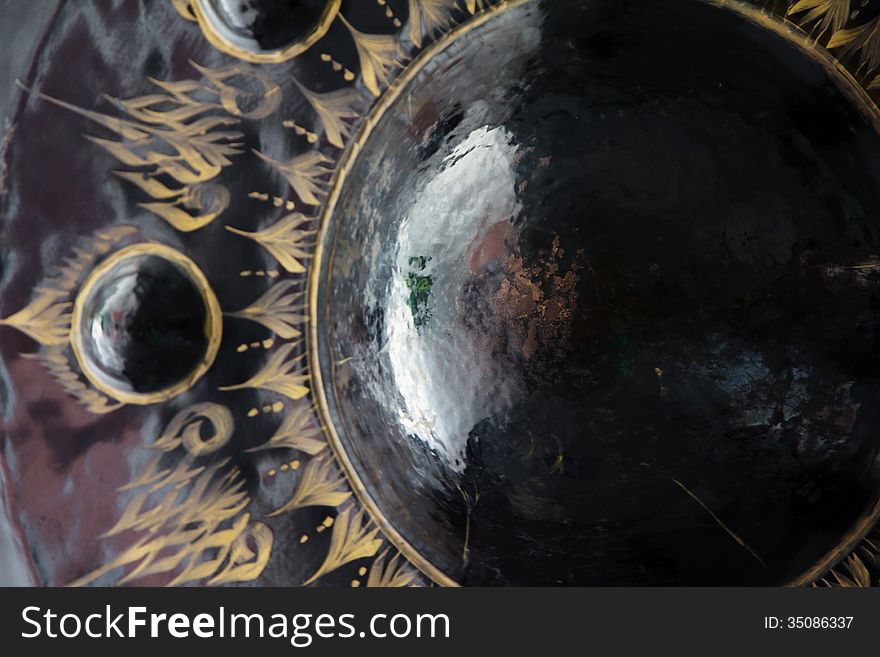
207,18
781,27
213,323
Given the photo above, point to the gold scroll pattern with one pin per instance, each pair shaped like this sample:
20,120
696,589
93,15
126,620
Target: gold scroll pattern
191,516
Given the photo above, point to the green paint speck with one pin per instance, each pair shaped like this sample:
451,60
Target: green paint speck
419,286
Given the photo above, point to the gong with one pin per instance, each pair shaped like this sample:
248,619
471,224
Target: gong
452,292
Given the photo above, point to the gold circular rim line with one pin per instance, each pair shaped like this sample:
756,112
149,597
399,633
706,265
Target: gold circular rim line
213,322
782,27
223,44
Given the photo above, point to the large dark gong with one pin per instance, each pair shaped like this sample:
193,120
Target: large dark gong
597,300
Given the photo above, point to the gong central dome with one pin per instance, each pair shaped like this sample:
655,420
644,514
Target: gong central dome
598,301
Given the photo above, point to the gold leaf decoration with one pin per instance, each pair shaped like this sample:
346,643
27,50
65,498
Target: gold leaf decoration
427,17
321,484
379,54
168,139
354,537
856,570
395,572
261,105
333,108
44,320
831,14
856,574
305,174
281,374
473,6
73,269
174,108
863,40
180,528
47,318
190,517
174,141
208,200
280,310
296,432
58,365
245,564
286,240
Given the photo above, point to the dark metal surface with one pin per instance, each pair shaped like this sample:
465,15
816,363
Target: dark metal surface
21,26
600,302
